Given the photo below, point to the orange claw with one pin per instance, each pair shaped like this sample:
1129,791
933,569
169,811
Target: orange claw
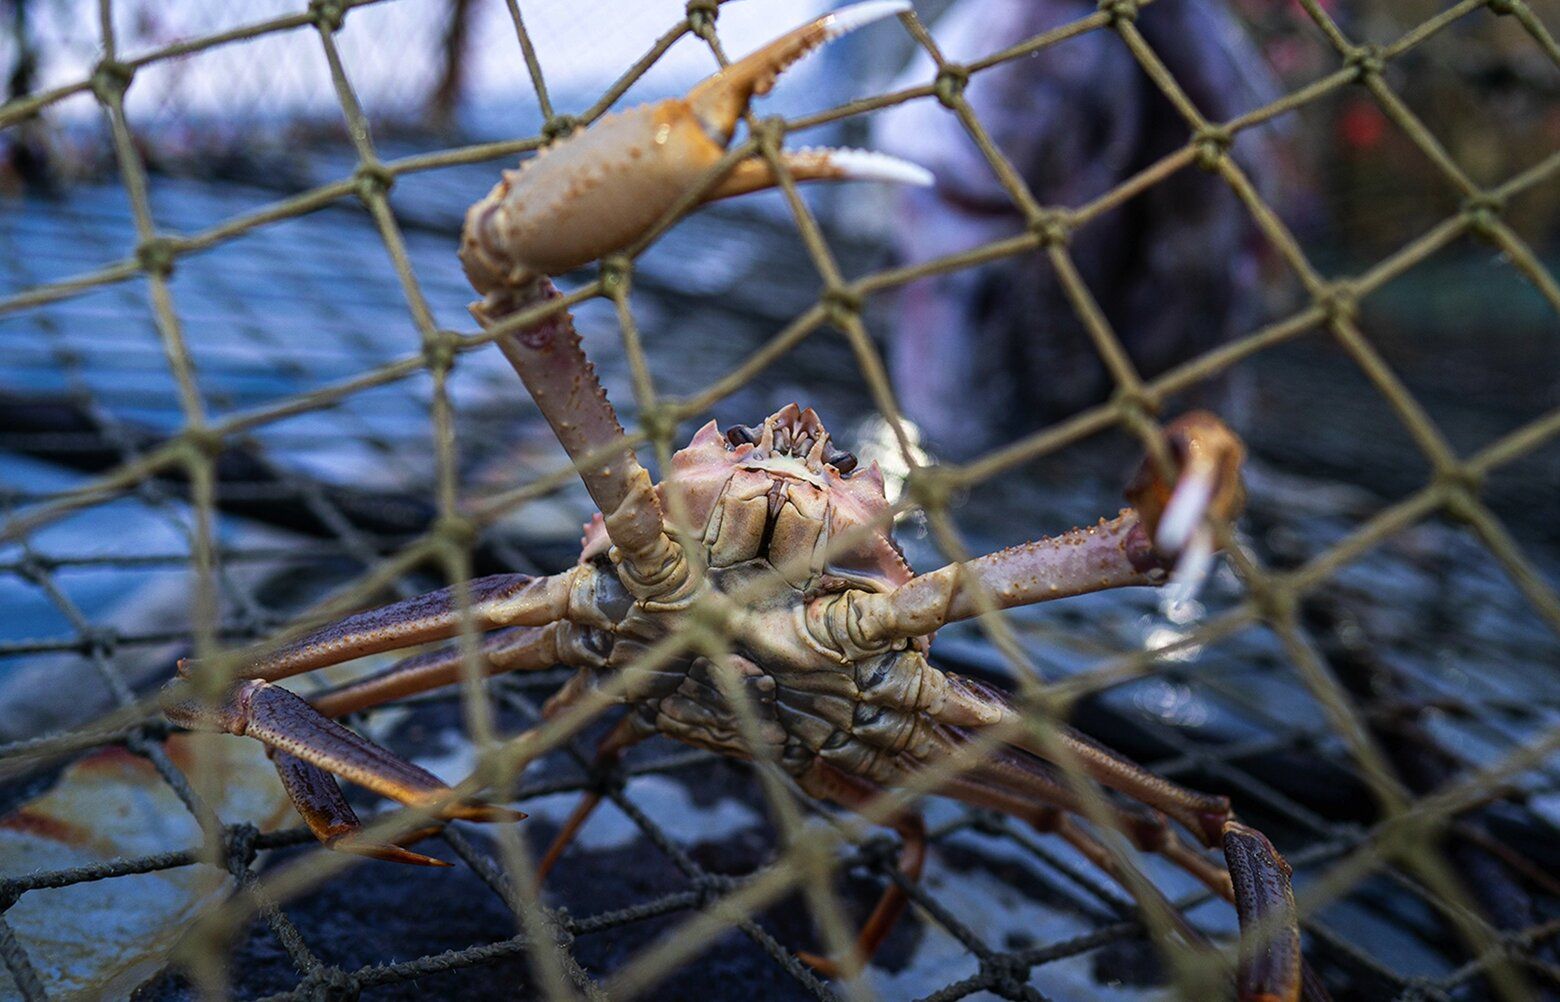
600,190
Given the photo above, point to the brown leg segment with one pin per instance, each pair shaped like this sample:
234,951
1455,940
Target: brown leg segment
498,600
285,722
853,793
312,790
521,648
1138,547
332,820
563,383
1255,878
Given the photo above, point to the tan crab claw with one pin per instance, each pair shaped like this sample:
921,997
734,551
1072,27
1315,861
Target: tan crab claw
720,100
603,188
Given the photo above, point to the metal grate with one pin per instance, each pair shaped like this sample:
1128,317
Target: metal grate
238,440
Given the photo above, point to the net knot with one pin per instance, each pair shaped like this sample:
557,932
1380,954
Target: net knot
1006,974
616,271
456,531
1053,227
372,180
1366,60
701,17
659,422
205,441
1483,213
951,81
1503,7
710,887
331,984
558,127
99,641
239,849
439,351
841,305
1340,302
1117,11
930,487
156,256
1460,486
110,79
1212,142
328,14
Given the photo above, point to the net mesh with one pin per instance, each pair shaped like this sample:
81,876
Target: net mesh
216,452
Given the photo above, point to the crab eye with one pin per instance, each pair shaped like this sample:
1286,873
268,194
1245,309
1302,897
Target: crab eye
841,460
741,434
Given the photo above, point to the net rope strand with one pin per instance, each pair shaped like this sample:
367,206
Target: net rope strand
1398,844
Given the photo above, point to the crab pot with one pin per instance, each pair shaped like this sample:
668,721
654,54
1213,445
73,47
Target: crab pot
242,394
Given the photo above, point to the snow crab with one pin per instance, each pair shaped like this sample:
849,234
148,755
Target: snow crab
777,536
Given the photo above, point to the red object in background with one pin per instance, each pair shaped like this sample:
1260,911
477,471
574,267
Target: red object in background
1362,126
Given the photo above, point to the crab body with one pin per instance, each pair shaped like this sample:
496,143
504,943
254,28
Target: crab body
755,603
770,508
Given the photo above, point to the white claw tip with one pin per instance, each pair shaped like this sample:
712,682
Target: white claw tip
857,14
1191,569
868,165
1185,511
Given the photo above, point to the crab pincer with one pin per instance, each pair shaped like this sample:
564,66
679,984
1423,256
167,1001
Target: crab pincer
598,191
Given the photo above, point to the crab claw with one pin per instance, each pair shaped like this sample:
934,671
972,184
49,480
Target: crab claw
720,100
1176,516
601,189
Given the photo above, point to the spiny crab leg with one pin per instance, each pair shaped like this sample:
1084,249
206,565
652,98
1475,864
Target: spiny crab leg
1132,549
319,801
562,381
596,192
517,648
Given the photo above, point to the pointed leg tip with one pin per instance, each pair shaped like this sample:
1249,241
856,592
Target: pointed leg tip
491,813
386,852
828,967
856,15
870,165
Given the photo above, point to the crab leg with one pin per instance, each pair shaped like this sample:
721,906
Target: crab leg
284,721
1202,814
563,383
519,648
306,745
497,600
622,737
1256,878
1166,531
318,799
854,793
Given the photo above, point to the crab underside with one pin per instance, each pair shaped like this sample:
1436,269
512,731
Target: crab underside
754,603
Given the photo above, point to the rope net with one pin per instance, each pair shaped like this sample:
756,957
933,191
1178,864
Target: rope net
396,541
